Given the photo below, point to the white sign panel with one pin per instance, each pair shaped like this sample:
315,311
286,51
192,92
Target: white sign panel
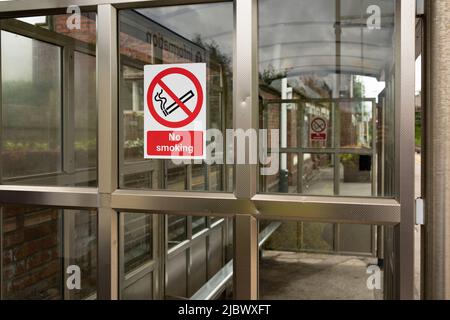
175,111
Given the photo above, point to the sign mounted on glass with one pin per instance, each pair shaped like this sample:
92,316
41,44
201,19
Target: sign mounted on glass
318,129
175,111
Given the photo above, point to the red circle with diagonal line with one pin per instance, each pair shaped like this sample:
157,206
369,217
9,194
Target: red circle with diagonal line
318,125
158,80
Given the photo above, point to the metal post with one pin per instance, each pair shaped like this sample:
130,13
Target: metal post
404,150
437,151
107,151
246,257
245,116
245,106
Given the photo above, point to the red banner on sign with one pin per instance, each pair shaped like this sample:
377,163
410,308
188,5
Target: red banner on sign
175,143
318,136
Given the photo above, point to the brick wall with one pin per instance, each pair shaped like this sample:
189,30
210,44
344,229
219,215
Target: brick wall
87,33
32,267
33,264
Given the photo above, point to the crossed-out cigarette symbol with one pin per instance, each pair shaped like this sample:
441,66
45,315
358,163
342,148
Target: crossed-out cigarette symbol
167,110
189,87
318,125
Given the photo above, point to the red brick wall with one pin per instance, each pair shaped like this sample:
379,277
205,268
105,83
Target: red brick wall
32,268
87,33
33,252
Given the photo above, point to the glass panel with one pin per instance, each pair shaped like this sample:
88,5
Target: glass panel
32,101
34,251
49,98
138,240
199,173
356,123
323,260
139,267
329,60
168,35
201,257
355,175
85,112
318,174
286,180
198,224
215,177
85,251
177,230
317,237
282,117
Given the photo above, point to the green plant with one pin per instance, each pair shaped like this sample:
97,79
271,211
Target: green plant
134,143
86,145
349,160
25,146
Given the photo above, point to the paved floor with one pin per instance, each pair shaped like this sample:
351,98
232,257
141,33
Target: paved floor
307,276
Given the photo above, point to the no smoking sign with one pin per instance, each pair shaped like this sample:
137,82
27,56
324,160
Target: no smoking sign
318,129
175,111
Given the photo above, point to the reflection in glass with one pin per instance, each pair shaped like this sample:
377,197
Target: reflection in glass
85,111
176,230
274,114
137,240
206,251
318,174
49,113
198,224
326,59
34,254
31,106
356,123
355,175
168,35
286,180
198,177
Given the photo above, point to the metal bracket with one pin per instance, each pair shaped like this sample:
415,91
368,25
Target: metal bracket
420,212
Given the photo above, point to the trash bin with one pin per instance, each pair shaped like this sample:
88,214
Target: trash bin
284,182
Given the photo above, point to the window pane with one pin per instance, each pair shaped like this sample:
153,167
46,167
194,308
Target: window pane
137,240
355,175
168,35
31,99
198,224
34,252
85,112
49,98
177,230
356,123
323,260
318,174
273,114
201,257
327,62
284,181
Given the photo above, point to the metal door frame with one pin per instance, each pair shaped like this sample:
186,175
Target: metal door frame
245,205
